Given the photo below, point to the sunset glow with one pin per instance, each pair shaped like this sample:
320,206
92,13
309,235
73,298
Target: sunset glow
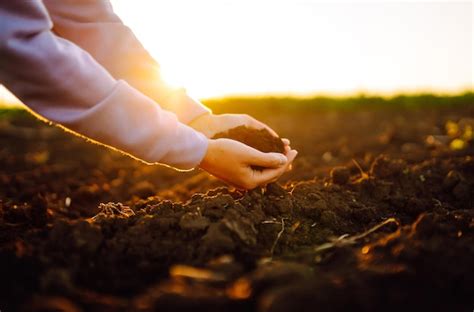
216,48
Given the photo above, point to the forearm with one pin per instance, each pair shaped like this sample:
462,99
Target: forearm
96,28
64,84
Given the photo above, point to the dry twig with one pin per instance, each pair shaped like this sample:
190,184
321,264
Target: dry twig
363,175
345,239
280,233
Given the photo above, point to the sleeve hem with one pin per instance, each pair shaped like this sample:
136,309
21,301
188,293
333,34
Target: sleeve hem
190,109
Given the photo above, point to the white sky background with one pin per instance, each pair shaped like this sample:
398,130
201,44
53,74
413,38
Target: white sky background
216,47
219,47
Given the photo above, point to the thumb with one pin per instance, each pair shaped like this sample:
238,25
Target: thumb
268,160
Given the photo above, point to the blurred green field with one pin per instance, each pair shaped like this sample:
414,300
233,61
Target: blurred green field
245,104
263,106
237,104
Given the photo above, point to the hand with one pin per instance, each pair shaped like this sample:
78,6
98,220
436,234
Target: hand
232,162
211,124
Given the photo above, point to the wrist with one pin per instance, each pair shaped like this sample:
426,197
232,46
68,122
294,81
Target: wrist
206,160
204,115
204,124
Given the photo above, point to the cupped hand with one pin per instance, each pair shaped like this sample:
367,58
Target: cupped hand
211,124
234,162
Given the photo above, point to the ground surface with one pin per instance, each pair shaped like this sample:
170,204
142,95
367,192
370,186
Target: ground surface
377,215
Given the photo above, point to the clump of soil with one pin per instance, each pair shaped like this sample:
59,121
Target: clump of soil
340,175
260,139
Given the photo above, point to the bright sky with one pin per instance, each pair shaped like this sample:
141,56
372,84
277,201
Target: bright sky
221,47
218,47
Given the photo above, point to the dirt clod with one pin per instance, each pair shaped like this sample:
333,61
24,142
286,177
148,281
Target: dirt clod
260,139
340,175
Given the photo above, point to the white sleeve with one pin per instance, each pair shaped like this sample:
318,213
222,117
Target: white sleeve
94,26
63,83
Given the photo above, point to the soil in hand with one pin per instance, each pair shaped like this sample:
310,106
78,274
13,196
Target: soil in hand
260,139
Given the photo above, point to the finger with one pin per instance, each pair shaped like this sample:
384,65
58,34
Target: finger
268,160
286,141
289,166
250,156
291,156
253,157
233,183
269,175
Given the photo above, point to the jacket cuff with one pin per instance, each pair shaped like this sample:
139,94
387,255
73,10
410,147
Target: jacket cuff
131,122
185,107
196,143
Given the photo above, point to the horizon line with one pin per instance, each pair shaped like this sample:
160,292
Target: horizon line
344,94
308,95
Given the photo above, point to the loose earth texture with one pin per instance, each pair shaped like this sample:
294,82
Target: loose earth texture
260,139
377,215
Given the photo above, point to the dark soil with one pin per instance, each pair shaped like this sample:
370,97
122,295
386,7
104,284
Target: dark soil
260,139
377,215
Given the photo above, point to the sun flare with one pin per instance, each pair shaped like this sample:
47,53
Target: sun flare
216,48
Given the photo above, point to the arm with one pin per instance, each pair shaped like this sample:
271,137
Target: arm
94,26
64,84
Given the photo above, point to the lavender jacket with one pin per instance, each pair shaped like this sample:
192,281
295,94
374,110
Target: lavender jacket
73,62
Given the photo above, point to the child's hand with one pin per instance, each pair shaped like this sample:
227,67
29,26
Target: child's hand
212,124
232,162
